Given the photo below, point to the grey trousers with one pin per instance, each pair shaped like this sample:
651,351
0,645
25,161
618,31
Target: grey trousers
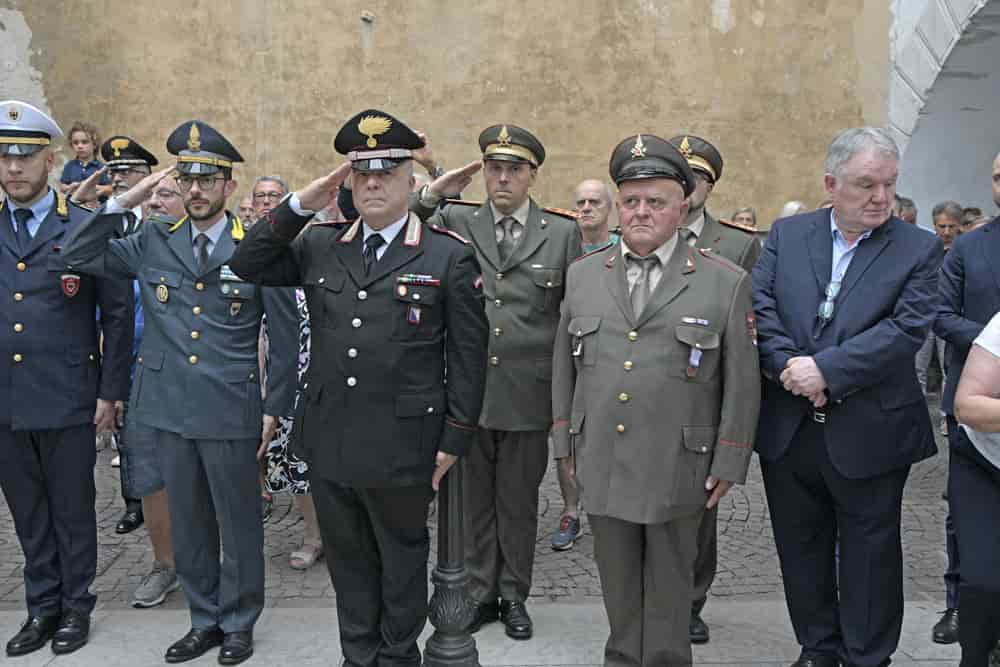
707,559
503,471
646,574
214,497
924,356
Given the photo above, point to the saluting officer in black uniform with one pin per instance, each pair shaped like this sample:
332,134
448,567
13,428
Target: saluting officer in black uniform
392,303
51,377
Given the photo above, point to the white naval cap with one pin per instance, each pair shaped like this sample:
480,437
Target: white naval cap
25,129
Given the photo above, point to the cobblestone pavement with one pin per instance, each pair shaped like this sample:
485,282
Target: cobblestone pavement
748,564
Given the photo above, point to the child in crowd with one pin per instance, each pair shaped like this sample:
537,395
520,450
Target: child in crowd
84,140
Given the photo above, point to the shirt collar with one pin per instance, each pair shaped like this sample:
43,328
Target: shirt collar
838,237
521,214
40,209
388,232
664,252
698,226
214,233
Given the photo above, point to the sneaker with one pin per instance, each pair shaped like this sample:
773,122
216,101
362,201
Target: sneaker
565,537
155,586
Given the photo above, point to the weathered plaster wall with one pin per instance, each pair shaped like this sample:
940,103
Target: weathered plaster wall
770,81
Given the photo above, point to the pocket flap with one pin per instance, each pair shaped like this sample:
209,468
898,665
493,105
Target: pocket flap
417,294
700,439
245,372
419,405
151,360
581,326
163,277
547,278
237,290
697,337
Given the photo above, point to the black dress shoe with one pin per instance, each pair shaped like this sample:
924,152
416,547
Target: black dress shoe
33,634
236,647
486,612
946,630
817,661
129,522
515,617
72,633
194,644
697,629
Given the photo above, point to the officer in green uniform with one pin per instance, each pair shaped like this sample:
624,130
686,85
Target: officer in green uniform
655,391
524,250
738,244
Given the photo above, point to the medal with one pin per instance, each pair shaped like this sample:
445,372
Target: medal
413,315
401,290
162,293
694,361
234,308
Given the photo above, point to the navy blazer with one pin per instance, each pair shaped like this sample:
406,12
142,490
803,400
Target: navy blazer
969,287
52,372
877,420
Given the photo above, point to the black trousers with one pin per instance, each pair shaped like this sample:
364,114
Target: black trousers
379,544
974,494
48,480
854,611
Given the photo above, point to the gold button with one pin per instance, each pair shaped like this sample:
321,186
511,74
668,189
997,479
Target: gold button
21,266
620,428
196,310
633,336
494,361
623,397
17,358
498,331
193,359
195,335
498,303
628,365
18,296
199,286
499,276
18,327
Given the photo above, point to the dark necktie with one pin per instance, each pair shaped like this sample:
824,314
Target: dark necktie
201,251
22,215
641,287
372,244
507,243
130,221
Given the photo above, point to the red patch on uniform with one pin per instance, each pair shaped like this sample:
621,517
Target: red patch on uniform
752,326
70,284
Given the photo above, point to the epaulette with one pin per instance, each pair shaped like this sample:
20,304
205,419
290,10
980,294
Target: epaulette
593,252
463,202
177,225
565,212
164,219
448,232
61,205
708,254
736,225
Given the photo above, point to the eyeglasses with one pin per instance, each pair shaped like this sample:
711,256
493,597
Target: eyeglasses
273,196
205,183
825,312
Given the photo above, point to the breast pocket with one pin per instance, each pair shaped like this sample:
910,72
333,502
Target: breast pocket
583,339
699,358
548,288
159,286
322,293
418,312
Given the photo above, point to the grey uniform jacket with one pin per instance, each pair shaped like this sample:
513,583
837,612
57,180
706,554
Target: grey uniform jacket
523,295
646,422
197,370
739,246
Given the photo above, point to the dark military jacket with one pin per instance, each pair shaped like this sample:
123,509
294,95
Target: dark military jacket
522,304
197,370
52,371
734,242
376,403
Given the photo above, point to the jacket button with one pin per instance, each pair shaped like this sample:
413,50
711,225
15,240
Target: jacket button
362,295
21,266
356,323
18,296
193,359
139,360
352,381
430,409
18,327
704,448
623,397
548,283
195,335
494,361
416,296
352,353
321,281
91,357
199,286
499,276
620,428
498,331
633,336
18,358
627,365
196,310
498,303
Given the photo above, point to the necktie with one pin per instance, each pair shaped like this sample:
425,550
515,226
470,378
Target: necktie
22,215
372,244
201,251
130,221
688,236
641,287
510,227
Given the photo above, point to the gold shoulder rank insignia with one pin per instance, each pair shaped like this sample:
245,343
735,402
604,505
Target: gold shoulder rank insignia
736,225
565,212
372,126
463,202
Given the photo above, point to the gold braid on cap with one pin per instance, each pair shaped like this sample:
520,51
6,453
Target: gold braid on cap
372,126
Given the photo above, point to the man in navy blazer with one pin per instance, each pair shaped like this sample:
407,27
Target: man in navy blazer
844,297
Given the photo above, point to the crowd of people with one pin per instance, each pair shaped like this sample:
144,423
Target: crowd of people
350,341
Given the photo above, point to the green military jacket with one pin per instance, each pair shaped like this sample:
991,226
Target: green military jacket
652,405
523,295
735,242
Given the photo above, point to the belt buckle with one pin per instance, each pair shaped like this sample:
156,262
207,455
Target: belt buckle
819,416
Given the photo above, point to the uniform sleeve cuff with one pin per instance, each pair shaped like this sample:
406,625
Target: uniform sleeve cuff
296,206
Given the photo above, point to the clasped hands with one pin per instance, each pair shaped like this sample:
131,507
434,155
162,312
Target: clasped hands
803,377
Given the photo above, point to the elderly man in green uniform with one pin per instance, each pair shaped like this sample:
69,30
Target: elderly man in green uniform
738,244
655,391
524,250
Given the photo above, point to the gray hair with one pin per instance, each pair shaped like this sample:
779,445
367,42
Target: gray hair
905,204
270,179
850,142
747,209
952,209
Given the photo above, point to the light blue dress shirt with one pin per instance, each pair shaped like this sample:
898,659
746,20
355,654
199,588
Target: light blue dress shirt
843,253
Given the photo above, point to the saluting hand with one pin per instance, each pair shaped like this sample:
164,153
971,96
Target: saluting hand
803,377
441,466
317,195
86,190
455,180
719,488
143,190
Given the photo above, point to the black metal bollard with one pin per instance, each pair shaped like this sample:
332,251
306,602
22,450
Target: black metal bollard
451,608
